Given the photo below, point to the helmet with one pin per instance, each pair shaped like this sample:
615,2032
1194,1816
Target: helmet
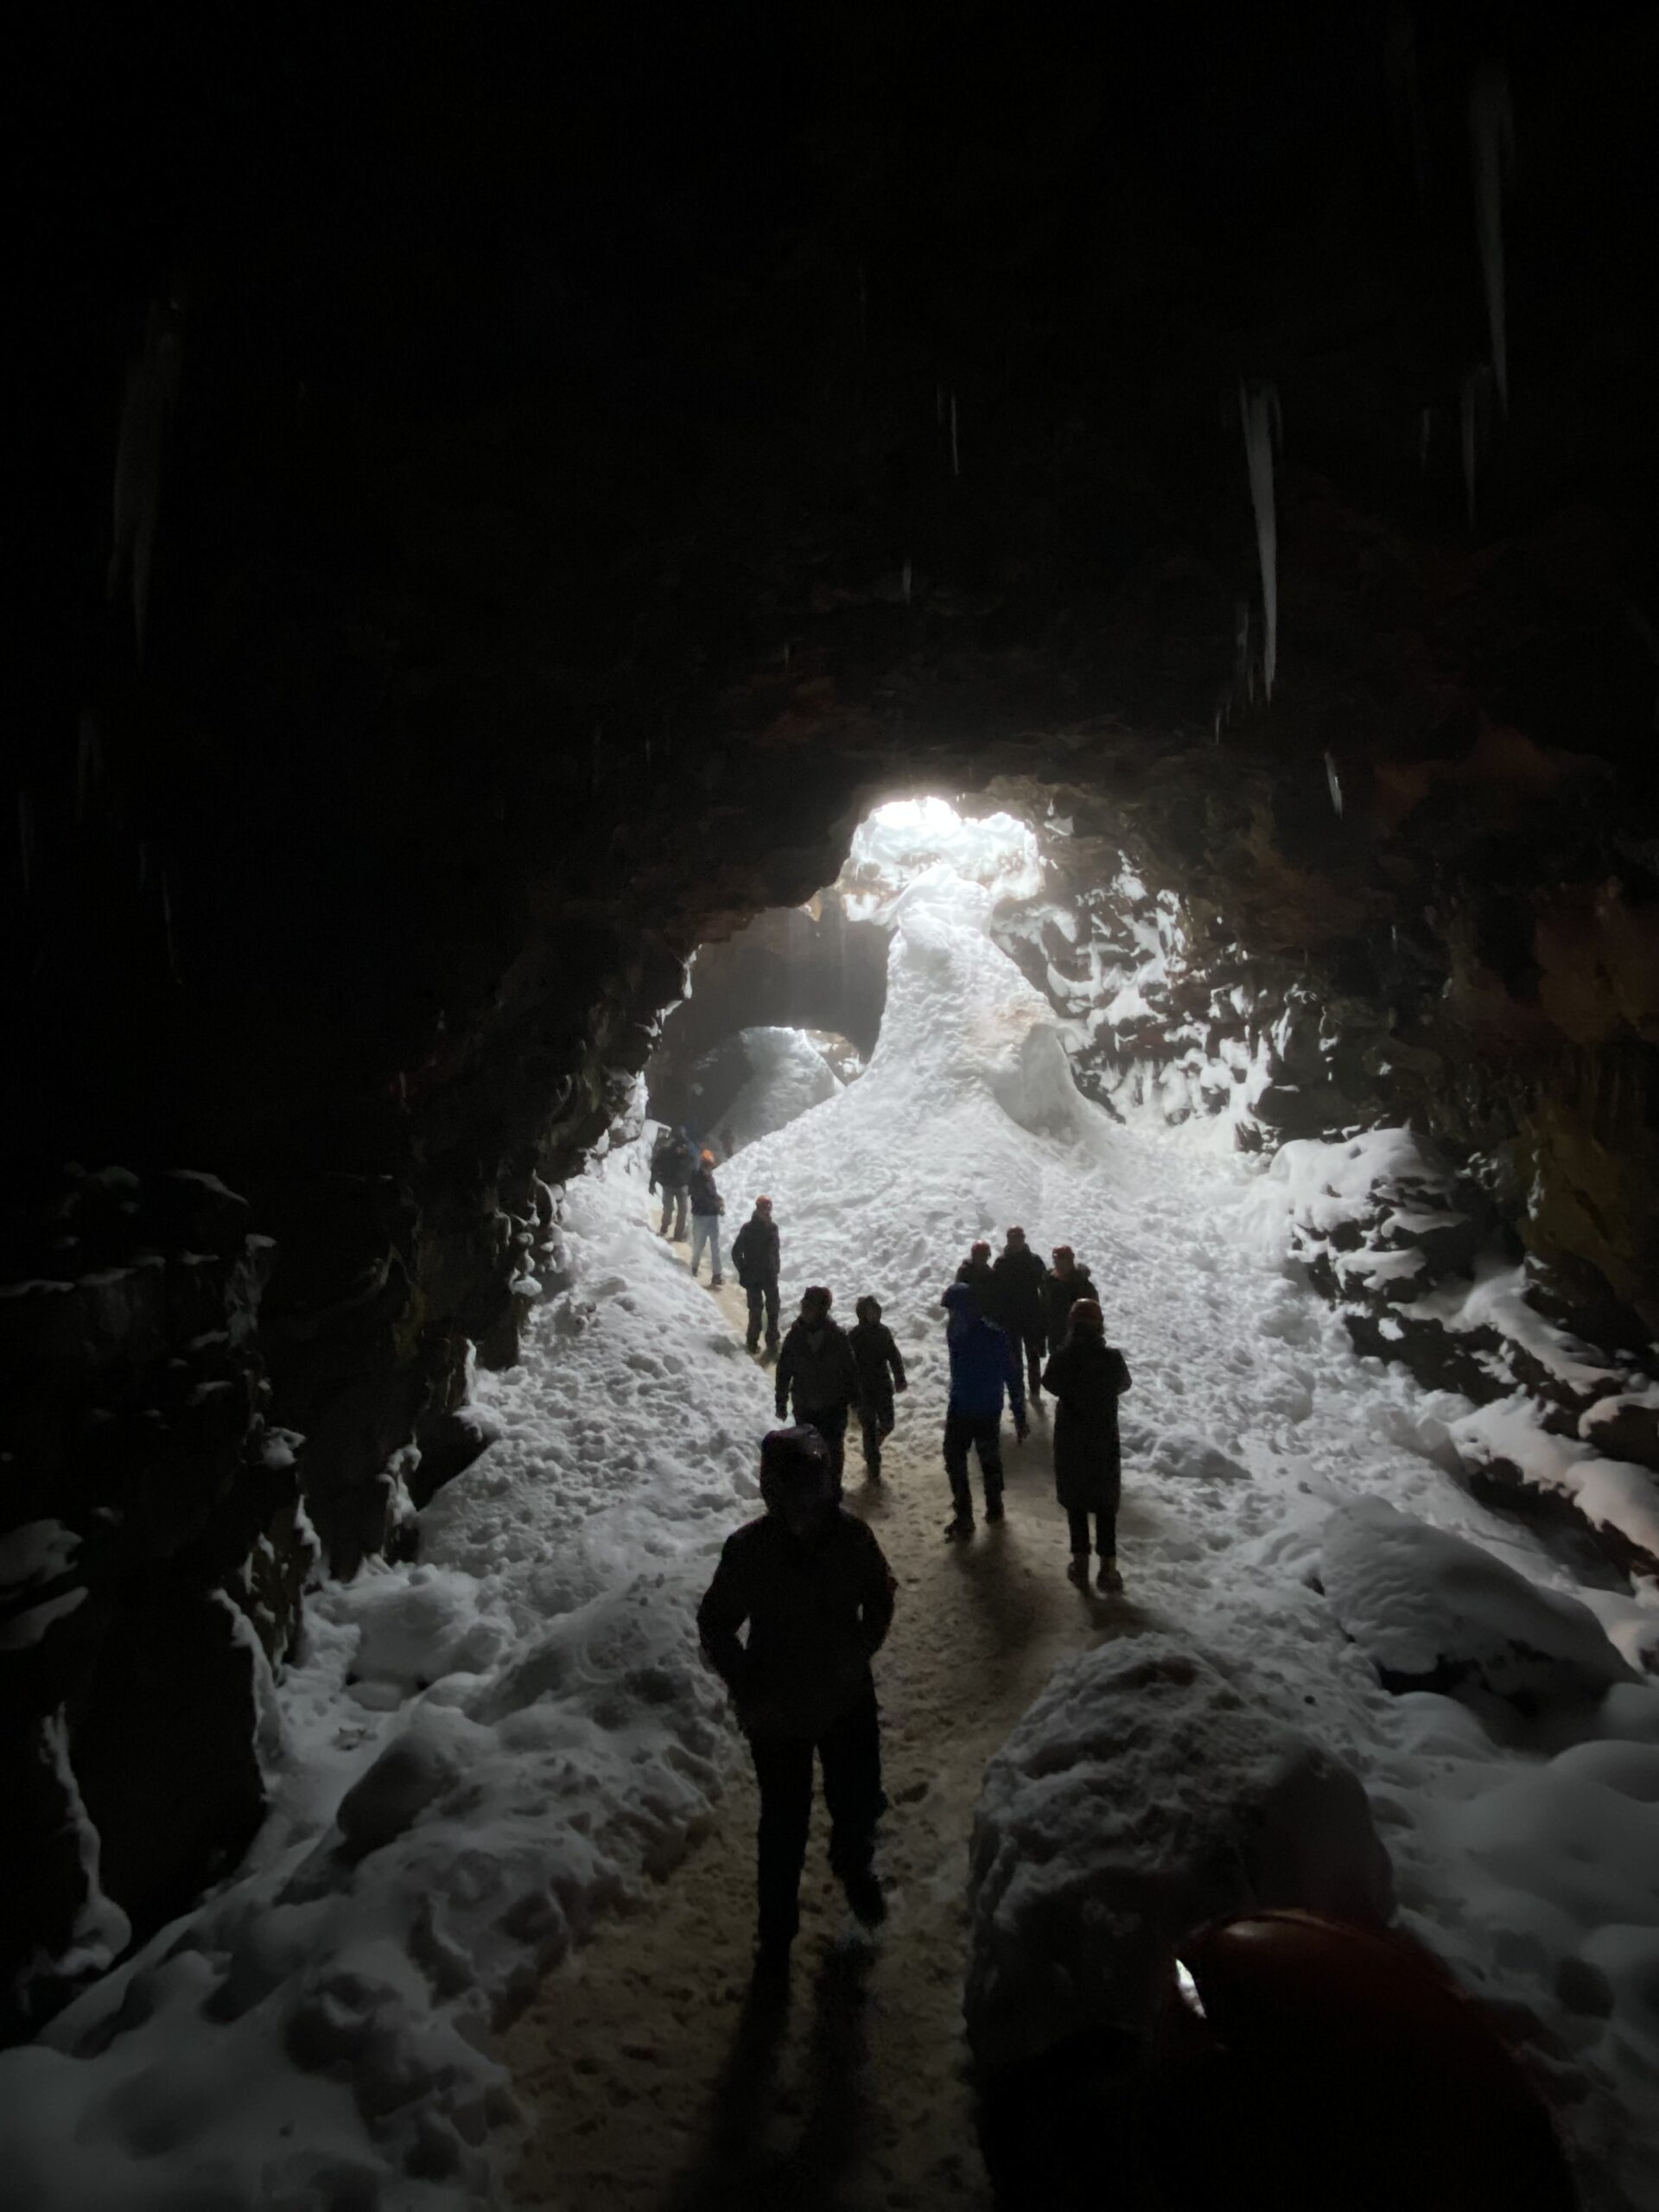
706,1157
795,1469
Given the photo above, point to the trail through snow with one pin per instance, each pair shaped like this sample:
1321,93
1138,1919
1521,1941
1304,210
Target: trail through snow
481,1753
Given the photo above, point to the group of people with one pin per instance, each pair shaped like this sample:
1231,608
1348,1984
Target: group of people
809,1581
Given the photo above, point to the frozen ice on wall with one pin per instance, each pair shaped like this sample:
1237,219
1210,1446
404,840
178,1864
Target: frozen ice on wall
908,837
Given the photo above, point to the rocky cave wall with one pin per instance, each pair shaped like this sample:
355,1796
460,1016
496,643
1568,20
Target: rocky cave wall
485,554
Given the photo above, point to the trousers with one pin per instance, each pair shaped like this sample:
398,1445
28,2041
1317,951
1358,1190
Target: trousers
705,1230
984,1432
850,1751
1036,1344
674,1205
875,1424
831,1422
759,1293
1105,1534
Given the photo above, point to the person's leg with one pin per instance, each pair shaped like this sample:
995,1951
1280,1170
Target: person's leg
870,1431
717,1276
1078,1527
772,1313
958,1428
1106,1545
850,1750
668,1209
1035,1344
831,1422
753,1294
682,1201
988,1436
783,1768
699,1236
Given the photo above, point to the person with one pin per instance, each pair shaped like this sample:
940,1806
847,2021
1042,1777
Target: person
755,1253
818,1366
1064,1283
880,1374
817,1593
976,1272
983,1368
707,1207
1017,1306
672,1160
1088,1376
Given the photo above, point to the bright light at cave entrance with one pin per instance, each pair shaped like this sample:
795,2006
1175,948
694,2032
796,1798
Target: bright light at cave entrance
908,837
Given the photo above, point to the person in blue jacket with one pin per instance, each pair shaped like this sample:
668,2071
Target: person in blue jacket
984,1367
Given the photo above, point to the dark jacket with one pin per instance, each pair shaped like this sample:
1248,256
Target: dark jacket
817,1364
880,1370
817,1609
983,1361
1058,1299
979,1281
672,1162
755,1251
1087,1378
1017,1290
705,1199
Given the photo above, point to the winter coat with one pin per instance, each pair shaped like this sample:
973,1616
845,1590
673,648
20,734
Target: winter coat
880,1370
1058,1299
705,1199
818,1608
755,1253
978,1279
672,1162
983,1361
817,1362
1017,1290
1086,1378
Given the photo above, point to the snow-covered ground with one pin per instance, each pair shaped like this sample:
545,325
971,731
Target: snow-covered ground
479,1753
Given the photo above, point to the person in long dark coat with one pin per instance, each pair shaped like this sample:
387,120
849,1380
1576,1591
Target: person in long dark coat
1062,1286
881,1372
1017,1304
1087,1377
755,1253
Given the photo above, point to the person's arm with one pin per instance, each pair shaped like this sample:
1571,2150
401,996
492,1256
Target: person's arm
1051,1370
896,1363
1120,1372
724,1608
875,1603
852,1381
1016,1382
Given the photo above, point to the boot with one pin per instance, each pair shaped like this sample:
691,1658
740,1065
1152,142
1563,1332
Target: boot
1078,1570
993,1506
959,1530
865,1896
1108,1579
751,1344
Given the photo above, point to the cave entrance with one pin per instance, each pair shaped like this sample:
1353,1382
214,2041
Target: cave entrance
788,1010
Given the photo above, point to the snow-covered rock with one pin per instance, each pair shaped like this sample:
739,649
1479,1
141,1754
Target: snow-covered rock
1151,1787
1433,1612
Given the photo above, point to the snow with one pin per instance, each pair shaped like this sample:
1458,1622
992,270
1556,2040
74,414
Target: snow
35,1552
481,1753
789,1075
907,837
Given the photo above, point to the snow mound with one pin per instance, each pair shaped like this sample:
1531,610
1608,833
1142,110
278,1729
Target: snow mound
1433,1611
788,1076
1149,1788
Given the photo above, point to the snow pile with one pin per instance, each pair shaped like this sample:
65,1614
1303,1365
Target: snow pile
35,1553
483,1752
1151,1787
787,1074
1432,1610
908,837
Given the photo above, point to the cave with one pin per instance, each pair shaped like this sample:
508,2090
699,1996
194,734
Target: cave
555,545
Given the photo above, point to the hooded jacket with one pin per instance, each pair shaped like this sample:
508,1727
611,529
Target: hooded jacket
1017,1290
880,1369
984,1363
1087,1378
705,1199
817,1362
1060,1294
817,1608
672,1162
755,1252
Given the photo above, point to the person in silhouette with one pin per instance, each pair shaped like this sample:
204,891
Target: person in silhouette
984,1369
976,1272
755,1253
816,1592
1064,1283
817,1369
1017,1306
1088,1376
880,1374
672,1160
707,1207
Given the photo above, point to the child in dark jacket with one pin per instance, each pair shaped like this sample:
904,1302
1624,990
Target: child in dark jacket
881,1372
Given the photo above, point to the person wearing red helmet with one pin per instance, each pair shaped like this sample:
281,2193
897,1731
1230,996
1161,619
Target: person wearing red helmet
812,1586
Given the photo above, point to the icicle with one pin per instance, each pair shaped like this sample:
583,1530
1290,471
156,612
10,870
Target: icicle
955,454
1258,405
904,578
1491,132
1476,386
152,386
1333,783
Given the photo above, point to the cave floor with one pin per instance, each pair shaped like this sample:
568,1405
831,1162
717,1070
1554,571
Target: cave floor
657,2081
